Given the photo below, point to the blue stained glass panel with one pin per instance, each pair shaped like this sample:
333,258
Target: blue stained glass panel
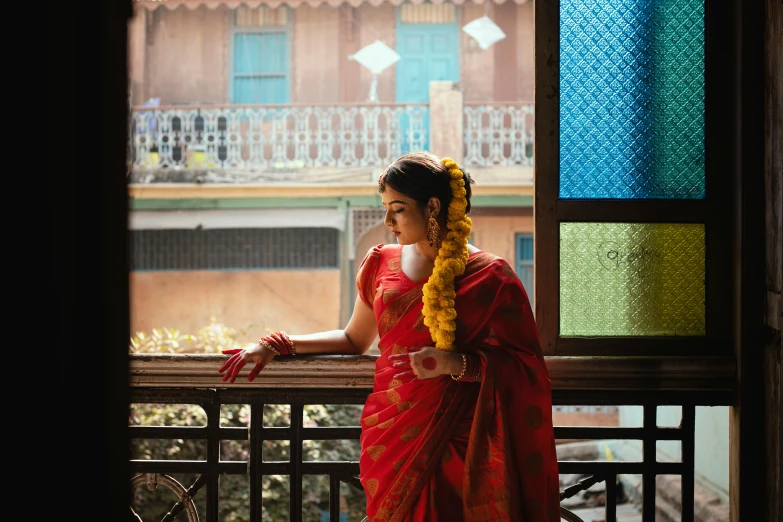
632,99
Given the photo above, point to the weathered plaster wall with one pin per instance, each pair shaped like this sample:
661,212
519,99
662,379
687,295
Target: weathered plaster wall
315,60
188,55
297,301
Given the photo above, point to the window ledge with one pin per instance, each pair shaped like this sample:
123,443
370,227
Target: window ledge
715,376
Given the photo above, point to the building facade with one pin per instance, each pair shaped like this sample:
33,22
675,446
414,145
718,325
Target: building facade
257,140
186,52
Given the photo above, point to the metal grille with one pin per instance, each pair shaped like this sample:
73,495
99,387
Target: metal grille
261,16
234,249
363,220
428,14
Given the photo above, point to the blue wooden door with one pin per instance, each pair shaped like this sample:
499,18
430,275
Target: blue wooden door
428,52
260,68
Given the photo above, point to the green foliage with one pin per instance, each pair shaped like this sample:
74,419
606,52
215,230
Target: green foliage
210,339
234,503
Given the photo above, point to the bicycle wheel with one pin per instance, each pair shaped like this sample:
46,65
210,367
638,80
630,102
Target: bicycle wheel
568,516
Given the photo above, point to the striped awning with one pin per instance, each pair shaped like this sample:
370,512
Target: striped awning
233,4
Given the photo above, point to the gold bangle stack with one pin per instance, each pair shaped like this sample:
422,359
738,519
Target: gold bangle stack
268,346
464,369
471,369
279,343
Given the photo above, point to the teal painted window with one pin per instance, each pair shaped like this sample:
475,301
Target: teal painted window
524,263
260,66
632,99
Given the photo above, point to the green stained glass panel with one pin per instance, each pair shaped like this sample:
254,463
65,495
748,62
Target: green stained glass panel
631,279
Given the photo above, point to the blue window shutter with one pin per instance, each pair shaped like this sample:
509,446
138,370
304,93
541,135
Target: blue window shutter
260,68
524,262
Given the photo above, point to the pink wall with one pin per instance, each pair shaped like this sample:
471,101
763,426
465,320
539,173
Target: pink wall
494,234
188,55
479,78
186,58
525,52
137,56
297,301
477,64
315,60
300,301
377,23
505,51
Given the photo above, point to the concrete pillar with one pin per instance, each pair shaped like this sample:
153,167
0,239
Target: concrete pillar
137,55
446,120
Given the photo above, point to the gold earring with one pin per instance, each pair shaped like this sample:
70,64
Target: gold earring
433,233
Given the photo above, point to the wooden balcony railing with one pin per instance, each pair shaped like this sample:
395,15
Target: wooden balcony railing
648,382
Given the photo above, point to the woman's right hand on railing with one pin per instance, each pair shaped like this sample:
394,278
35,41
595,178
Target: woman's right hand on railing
259,354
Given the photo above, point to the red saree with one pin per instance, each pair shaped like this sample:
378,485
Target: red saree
438,450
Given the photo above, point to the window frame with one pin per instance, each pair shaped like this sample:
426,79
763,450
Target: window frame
519,262
261,29
714,211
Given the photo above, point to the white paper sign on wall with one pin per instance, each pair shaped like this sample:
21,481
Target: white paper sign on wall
484,31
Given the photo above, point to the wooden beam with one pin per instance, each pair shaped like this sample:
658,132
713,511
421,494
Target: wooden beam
547,171
608,375
748,462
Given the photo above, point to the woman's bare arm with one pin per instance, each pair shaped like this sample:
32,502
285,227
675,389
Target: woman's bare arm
355,339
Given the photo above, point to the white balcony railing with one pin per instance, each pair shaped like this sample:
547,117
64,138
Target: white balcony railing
282,137
294,137
498,134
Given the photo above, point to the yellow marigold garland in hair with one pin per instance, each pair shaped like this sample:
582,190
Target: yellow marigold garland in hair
439,313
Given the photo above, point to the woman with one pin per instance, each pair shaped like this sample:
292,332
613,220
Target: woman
459,423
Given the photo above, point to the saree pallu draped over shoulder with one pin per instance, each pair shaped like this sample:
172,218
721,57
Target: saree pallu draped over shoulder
438,450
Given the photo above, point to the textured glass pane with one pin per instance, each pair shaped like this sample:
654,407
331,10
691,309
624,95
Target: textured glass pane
633,279
632,99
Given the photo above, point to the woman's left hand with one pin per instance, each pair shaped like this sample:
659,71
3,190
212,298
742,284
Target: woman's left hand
425,363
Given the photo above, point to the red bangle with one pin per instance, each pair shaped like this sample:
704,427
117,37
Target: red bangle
266,344
280,343
475,373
